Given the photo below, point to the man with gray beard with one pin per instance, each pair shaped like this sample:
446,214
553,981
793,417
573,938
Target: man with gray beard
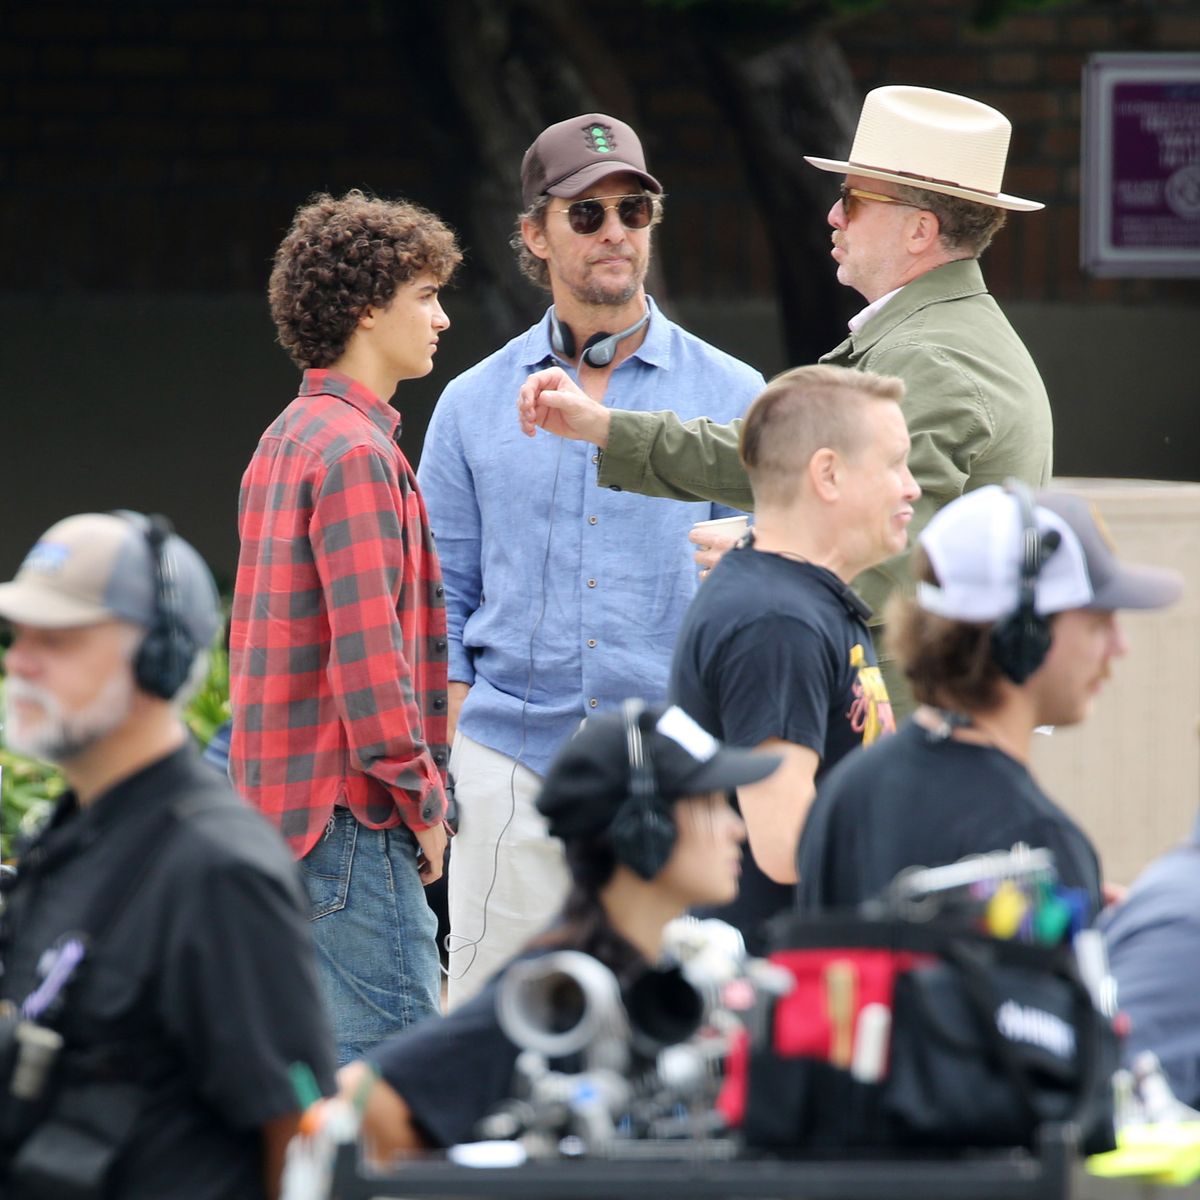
561,600
157,982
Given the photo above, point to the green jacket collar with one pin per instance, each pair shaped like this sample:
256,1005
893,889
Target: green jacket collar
953,281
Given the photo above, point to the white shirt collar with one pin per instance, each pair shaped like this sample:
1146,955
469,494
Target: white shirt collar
857,321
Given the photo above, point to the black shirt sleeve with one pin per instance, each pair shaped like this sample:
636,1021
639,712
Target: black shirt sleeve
240,994
451,1071
774,679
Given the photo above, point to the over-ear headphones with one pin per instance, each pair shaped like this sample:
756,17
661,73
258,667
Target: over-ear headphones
643,832
164,659
600,349
1021,641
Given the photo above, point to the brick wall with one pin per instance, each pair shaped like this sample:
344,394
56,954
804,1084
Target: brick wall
163,146
1031,69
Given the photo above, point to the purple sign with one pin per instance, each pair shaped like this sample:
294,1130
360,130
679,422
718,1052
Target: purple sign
1142,165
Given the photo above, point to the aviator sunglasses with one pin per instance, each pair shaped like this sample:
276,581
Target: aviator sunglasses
587,216
852,195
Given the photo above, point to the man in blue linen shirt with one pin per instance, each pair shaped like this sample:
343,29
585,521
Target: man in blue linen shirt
561,599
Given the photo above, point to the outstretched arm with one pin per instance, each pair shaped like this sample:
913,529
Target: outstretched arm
652,453
553,401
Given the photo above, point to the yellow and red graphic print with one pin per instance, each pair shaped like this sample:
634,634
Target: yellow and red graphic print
871,713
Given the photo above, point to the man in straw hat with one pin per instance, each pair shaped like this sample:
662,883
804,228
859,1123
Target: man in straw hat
920,202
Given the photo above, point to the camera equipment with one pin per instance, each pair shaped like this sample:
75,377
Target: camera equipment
565,1004
649,1059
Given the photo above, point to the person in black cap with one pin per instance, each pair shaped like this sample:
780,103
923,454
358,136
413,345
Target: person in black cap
155,956
640,801
1013,626
560,600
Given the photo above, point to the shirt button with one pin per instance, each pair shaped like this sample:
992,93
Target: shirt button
439,703
592,643
440,645
591,583
593,703
593,520
439,591
439,757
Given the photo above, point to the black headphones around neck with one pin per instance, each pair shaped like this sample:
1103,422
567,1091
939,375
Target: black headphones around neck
164,659
600,349
1021,641
643,831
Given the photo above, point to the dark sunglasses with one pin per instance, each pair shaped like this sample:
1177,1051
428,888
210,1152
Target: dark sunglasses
587,216
852,196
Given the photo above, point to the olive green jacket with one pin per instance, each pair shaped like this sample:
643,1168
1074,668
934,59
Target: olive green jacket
976,409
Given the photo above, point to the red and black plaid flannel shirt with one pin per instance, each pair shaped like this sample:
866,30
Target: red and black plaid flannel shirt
338,637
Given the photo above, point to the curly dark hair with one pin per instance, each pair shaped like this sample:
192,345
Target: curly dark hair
962,224
949,664
343,256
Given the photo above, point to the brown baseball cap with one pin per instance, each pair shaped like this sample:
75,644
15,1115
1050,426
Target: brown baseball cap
569,157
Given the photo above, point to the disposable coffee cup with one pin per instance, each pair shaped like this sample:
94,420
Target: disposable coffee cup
725,526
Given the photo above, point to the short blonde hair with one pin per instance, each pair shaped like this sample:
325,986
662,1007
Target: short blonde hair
800,412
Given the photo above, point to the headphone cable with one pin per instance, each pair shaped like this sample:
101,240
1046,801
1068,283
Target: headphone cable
464,942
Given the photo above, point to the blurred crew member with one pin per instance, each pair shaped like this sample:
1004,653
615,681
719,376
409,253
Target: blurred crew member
156,925
643,843
1013,626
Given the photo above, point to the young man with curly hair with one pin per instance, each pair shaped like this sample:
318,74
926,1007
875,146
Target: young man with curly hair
338,634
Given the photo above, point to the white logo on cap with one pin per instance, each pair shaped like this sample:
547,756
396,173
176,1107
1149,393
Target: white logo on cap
46,557
683,731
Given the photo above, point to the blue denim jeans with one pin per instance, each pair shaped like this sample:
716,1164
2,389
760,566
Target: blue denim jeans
375,934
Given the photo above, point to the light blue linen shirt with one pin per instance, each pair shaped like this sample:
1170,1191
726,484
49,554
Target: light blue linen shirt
555,588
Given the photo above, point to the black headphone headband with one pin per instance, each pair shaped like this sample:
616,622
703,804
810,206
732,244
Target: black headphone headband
164,659
642,832
1021,641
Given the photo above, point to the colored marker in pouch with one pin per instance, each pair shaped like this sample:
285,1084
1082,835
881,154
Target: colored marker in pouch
841,980
1005,910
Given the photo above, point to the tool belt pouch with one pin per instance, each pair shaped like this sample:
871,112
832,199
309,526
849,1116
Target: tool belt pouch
18,1115
70,1153
987,1040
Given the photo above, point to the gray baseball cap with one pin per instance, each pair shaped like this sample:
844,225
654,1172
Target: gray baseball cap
95,567
569,157
975,545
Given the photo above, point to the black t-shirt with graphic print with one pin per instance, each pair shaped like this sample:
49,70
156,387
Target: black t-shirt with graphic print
771,648
923,800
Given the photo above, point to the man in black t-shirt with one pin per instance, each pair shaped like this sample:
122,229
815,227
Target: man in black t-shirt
1012,627
774,651
157,925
